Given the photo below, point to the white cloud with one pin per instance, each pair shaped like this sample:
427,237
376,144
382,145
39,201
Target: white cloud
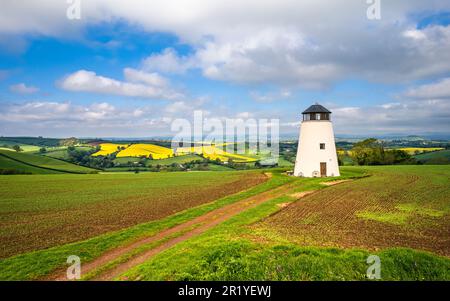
145,85
178,107
138,76
421,109
62,119
168,62
286,56
439,89
391,105
277,44
108,120
273,55
101,119
407,117
302,43
55,111
414,34
23,89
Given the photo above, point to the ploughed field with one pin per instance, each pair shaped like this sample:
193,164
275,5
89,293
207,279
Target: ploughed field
42,211
319,231
397,206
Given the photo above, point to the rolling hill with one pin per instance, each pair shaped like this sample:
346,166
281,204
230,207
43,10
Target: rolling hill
10,166
38,164
437,157
62,153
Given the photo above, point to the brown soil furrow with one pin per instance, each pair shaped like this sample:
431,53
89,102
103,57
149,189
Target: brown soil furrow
330,217
202,223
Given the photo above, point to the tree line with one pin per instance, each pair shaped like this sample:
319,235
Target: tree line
372,152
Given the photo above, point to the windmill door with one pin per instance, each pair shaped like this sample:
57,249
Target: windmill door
323,169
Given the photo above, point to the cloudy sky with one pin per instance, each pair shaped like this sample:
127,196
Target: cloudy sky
128,68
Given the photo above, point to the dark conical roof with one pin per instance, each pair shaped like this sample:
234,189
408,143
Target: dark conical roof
316,108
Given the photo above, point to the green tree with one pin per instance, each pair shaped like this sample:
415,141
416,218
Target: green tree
372,152
69,141
340,160
17,148
368,152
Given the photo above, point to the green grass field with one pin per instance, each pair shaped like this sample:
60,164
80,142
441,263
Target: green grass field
61,152
284,163
29,144
41,162
24,147
215,167
9,164
177,159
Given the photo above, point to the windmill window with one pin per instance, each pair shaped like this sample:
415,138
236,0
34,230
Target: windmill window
322,145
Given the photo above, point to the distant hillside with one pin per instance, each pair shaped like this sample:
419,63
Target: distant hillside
438,157
10,166
38,164
38,141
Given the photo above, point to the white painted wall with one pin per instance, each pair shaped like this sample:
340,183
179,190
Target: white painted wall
309,154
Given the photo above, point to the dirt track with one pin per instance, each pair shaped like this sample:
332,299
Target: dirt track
188,229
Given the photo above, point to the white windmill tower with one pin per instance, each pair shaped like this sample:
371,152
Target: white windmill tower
316,153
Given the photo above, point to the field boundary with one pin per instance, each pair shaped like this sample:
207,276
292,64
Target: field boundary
65,161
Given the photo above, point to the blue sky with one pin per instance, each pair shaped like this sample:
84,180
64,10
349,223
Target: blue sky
129,68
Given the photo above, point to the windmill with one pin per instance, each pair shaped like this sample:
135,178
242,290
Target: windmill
316,153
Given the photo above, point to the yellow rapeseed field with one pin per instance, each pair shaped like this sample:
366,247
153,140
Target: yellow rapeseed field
413,150
148,150
135,150
157,152
213,153
109,148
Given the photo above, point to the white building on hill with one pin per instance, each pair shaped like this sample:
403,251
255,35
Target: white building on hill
316,153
